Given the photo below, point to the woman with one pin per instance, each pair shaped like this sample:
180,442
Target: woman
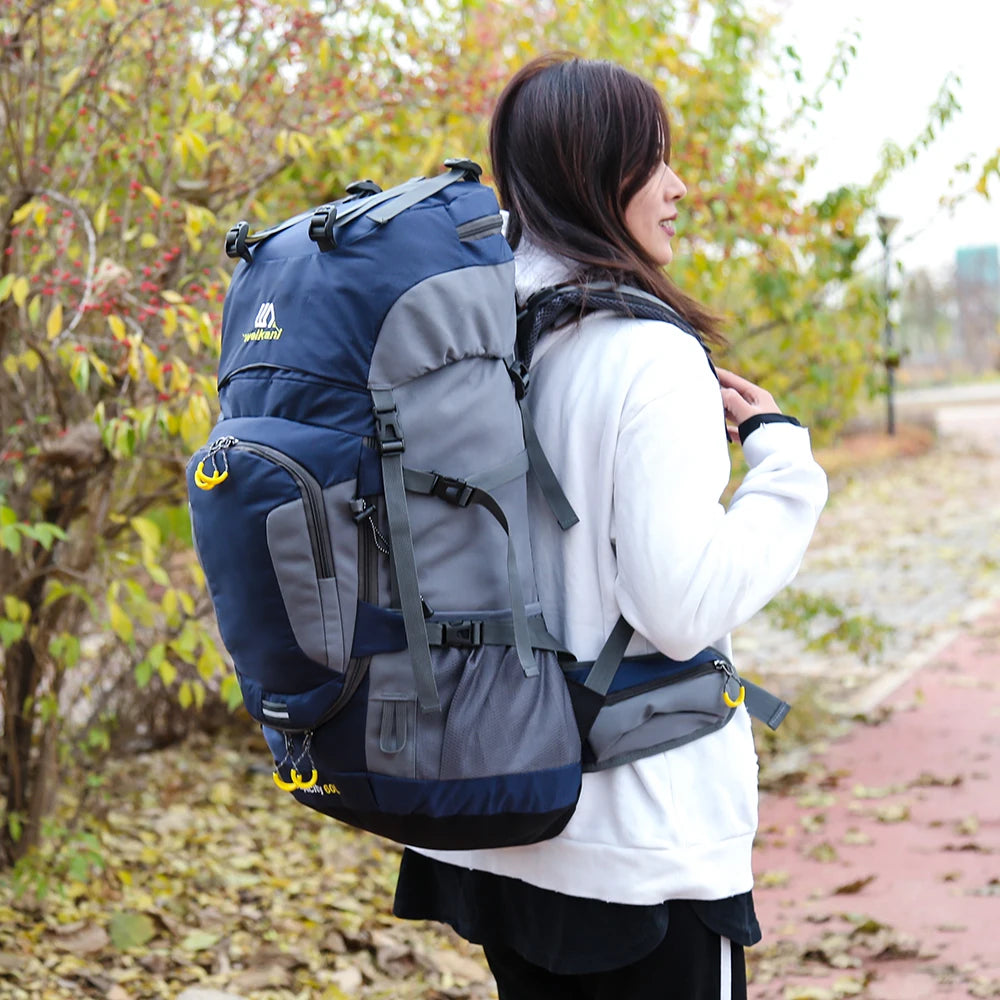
647,892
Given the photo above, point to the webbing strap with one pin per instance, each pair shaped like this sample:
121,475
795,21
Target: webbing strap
602,673
503,473
544,474
421,190
763,705
490,632
365,205
760,703
390,438
461,494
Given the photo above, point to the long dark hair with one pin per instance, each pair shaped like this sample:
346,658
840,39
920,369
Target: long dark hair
572,141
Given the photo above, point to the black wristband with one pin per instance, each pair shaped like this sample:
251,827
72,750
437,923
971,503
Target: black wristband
752,423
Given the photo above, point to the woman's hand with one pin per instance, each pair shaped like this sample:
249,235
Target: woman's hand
742,400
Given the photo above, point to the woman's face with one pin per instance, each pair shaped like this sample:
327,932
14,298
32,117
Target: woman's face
650,214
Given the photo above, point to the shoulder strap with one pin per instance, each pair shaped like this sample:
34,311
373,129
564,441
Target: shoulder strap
551,307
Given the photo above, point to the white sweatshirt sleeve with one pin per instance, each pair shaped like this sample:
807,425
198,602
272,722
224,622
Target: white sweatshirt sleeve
689,570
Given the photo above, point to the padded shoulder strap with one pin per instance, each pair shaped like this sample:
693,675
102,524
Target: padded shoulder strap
551,307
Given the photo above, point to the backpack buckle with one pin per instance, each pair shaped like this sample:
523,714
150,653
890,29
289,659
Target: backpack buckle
236,242
388,432
462,634
472,170
521,378
454,491
321,227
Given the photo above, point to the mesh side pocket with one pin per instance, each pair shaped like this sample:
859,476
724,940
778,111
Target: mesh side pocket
501,722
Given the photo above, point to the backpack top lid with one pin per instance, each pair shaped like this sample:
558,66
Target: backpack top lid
297,306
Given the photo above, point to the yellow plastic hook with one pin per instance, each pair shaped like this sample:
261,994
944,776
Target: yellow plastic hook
299,783
729,701
204,482
285,786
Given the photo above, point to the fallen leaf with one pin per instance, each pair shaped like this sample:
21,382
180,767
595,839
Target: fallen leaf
85,941
895,813
772,879
200,941
130,930
849,888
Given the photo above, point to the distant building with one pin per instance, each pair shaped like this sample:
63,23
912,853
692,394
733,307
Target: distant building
977,291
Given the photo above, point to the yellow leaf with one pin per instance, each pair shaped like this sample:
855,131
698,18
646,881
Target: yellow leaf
169,322
152,367
148,240
184,696
195,84
22,213
19,290
117,325
121,624
68,80
110,8
171,296
168,673
53,326
147,530
103,372
101,218
195,421
152,195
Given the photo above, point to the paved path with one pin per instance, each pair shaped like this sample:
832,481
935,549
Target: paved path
879,875
878,862
912,544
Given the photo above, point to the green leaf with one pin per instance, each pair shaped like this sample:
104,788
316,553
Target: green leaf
200,941
130,930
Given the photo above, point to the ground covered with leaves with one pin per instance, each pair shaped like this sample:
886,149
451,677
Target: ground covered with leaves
187,868
191,869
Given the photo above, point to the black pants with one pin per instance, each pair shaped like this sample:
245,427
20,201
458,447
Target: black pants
691,963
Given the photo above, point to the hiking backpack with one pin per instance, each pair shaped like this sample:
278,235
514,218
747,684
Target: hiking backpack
360,512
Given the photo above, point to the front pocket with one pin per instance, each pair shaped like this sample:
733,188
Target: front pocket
311,601
279,548
652,720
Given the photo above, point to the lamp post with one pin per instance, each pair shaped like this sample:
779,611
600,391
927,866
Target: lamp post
886,224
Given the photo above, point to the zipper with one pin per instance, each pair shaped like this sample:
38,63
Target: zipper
478,229
732,701
690,673
313,377
368,592
312,497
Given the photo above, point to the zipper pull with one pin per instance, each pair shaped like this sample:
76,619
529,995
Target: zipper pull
219,475
732,680
361,510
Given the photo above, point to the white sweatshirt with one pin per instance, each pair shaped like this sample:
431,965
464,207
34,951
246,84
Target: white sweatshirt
630,416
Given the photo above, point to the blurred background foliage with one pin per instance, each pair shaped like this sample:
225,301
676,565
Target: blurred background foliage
136,132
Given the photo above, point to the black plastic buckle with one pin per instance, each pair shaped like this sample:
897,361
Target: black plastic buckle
363,188
388,432
462,634
454,491
472,170
236,242
521,378
321,227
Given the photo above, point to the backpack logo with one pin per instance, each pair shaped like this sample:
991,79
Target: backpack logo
264,325
265,316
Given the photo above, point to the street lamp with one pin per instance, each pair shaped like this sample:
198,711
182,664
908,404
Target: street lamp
886,224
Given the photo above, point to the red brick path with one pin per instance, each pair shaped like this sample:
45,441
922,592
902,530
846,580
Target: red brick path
879,877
